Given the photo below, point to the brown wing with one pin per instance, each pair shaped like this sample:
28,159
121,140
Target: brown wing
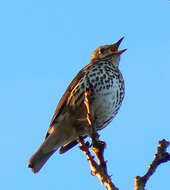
64,98
67,147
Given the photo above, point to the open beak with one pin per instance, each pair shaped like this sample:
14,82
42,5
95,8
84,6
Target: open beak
114,47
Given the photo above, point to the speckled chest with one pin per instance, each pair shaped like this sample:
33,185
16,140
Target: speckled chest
108,91
103,76
107,86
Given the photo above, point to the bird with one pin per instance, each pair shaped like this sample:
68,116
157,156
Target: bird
69,122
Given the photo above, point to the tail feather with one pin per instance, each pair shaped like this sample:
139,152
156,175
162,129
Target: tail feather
58,136
37,161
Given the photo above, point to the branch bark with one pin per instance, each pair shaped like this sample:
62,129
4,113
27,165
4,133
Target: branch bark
97,169
160,157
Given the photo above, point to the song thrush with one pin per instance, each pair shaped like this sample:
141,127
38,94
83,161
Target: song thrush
103,78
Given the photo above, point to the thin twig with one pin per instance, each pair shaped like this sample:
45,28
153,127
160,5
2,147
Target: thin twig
160,157
96,169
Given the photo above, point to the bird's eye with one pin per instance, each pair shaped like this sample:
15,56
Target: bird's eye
102,50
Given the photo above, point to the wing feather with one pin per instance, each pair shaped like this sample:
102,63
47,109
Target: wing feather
64,98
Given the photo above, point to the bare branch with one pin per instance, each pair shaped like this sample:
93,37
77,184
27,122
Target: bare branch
97,170
160,157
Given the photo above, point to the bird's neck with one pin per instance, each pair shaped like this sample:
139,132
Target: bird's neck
110,61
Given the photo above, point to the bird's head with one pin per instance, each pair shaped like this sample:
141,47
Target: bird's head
108,51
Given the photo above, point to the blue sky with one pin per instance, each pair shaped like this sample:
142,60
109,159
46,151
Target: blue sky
43,44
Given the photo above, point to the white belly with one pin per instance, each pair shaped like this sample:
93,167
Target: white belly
106,105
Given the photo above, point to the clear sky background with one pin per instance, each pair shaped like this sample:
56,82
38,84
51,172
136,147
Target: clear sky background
43,44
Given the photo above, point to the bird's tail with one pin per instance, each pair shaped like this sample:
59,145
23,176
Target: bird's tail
37,161
57,136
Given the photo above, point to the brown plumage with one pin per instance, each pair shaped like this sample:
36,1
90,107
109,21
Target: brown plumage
103,78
